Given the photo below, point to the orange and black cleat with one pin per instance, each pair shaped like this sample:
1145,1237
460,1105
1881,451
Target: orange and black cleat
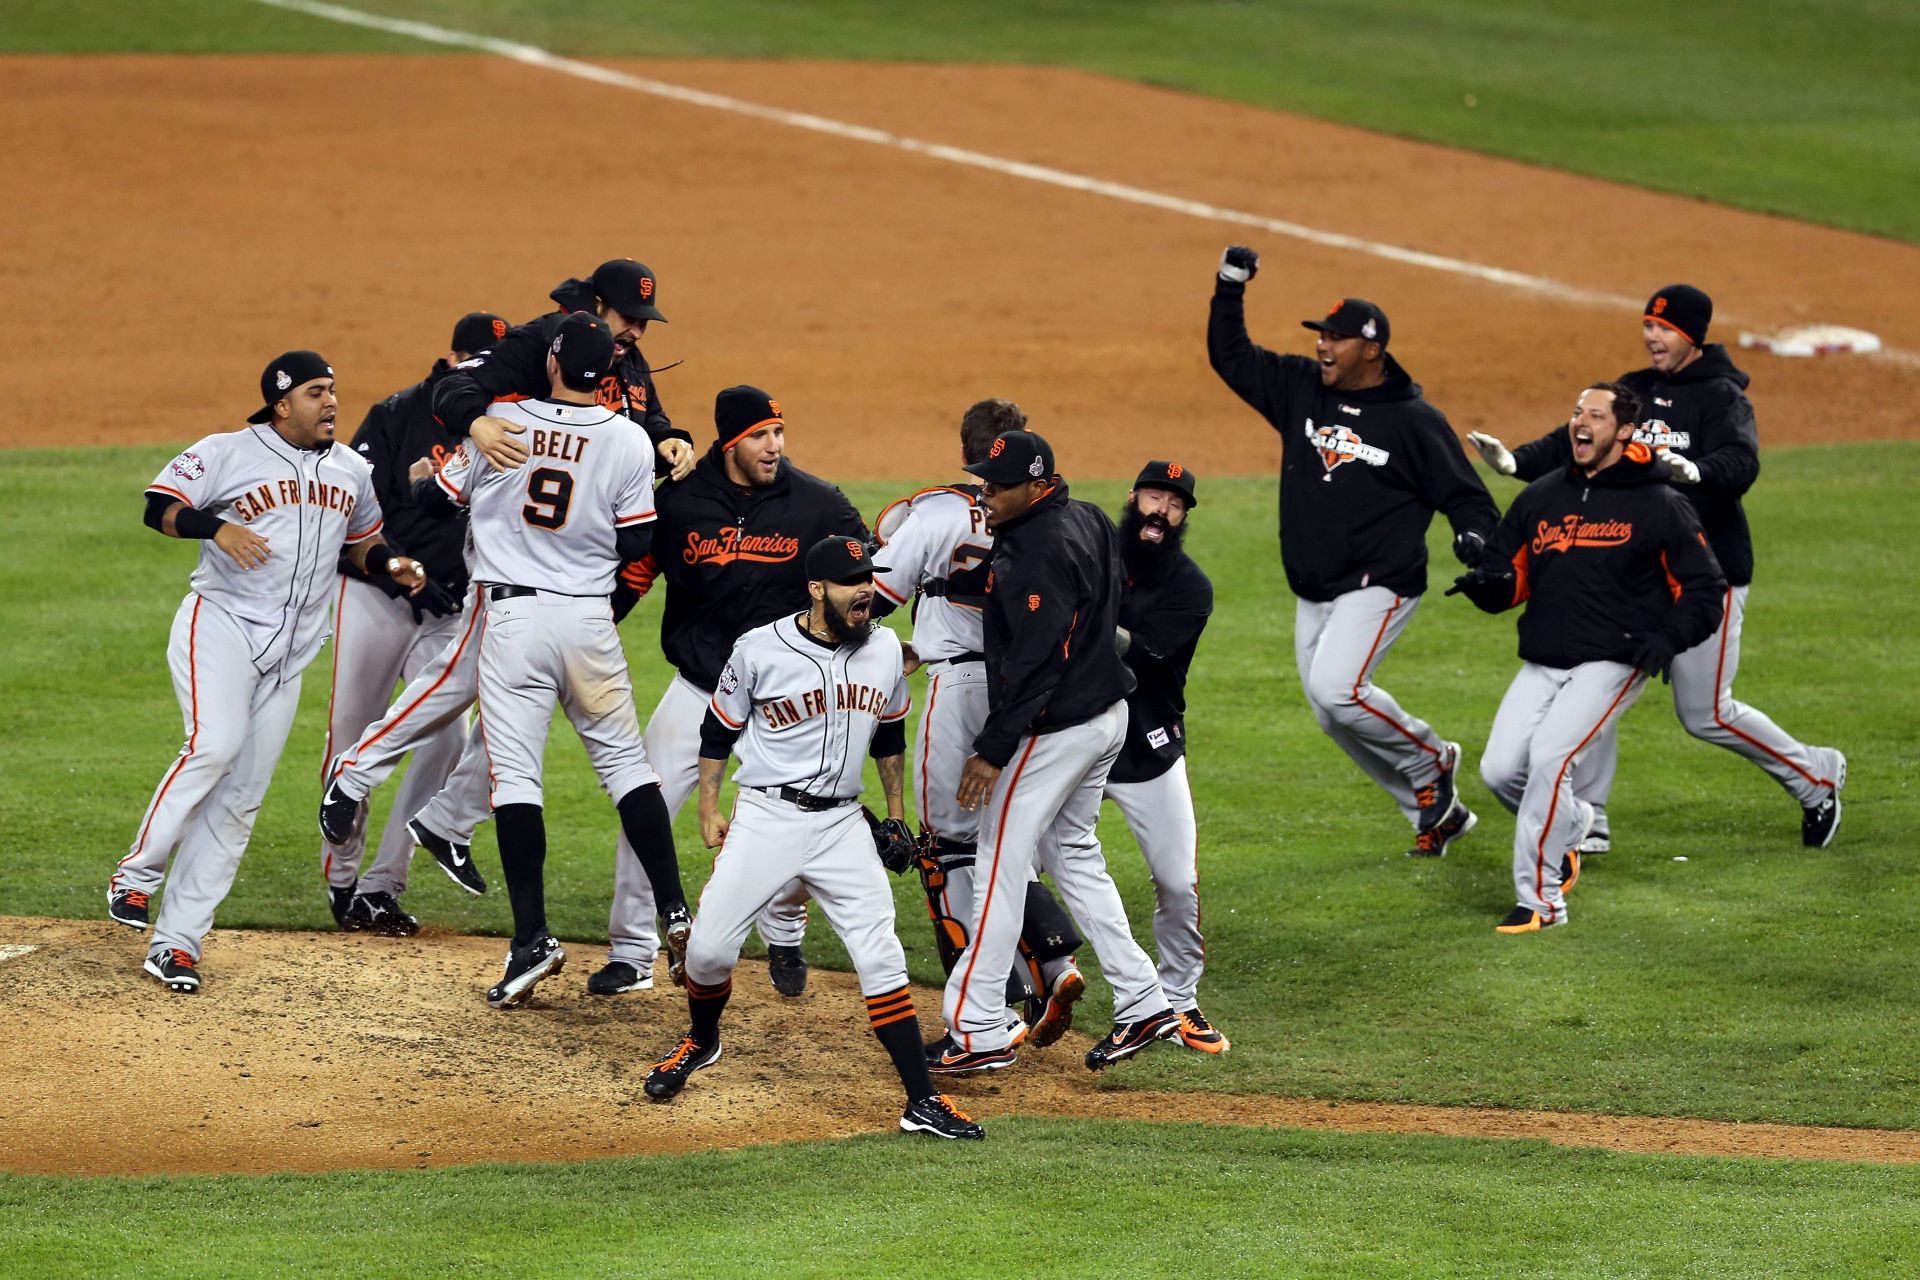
1526,920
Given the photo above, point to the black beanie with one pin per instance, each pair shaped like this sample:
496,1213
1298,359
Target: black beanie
741,411
1684,309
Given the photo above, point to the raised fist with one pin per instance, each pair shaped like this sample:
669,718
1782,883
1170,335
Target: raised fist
1239,264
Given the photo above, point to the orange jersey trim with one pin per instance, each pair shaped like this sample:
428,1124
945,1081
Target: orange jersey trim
714,706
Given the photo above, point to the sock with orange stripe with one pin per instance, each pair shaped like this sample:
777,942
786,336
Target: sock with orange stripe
898,1029
704,1005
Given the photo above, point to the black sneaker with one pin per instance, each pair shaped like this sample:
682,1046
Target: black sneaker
788,970
679,927
338,900
175,968
1819,822
669,1075
617,976
945,1057
1129,1038
338,812
938,1116
128,907
379,913
541,958
1433,842
454,859
1437,797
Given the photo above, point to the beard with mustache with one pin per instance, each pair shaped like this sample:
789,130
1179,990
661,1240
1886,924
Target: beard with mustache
1140,552
844,629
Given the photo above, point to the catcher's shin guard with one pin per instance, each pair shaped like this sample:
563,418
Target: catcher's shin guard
936,856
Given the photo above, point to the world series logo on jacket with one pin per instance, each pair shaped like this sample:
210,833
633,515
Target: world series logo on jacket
1338,445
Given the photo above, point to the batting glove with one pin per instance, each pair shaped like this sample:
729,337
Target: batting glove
1469,548
1680,469
1492,452
1239,264
1653,654
432,599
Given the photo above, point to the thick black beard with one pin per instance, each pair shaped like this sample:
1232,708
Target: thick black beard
842,628
1137,552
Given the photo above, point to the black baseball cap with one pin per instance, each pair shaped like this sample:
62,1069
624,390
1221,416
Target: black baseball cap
583,348
284,373
477,330
1684,309
1354,318
740,411
839,559
628,287
1015,458
1170,476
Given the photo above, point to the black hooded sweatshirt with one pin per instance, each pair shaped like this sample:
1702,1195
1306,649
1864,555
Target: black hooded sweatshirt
1361,472
1053,599
1602,561
733,558
396,433
1703,413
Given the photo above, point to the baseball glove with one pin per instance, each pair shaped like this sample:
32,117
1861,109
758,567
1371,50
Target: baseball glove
893,842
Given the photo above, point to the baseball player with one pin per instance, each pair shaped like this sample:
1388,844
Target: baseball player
1056,719
622,292
1365,462
804,700
273,504
383,636
1617,579
1162,613
1696,409
935,550
729,544
580,507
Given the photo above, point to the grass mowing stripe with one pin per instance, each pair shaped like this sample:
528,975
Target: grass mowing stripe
1063,1198
1754,981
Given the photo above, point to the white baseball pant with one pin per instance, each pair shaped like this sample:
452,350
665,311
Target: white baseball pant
1704,702
1160,813
548,648
236,721
376,644
1337,644
1548,720
773,844
673,749
1052,786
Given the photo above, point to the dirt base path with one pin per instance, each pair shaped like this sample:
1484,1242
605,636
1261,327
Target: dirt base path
195,215
314,1051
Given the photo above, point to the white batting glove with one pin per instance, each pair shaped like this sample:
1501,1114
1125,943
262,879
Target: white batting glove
1239,264
1495,454
1680,468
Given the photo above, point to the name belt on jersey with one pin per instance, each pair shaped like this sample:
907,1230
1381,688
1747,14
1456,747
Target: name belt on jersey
781,712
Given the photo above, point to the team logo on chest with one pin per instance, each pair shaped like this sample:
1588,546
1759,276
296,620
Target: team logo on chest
1338,444
1655,433
1575,530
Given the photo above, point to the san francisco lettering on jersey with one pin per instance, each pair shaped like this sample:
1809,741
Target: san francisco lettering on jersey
782,713
263,498
1574,531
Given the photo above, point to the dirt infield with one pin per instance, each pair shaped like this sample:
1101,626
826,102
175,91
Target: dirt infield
176,221
315,1051
193,216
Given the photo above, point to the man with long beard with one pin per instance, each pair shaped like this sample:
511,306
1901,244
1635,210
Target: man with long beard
1163,610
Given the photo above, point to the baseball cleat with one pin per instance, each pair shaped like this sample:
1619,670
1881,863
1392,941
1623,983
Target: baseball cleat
1433,842
669,1075
945,1057
617,976
787,968
1819,822
938,1116
338,900
1197,1033
679,929
179,970
128,907
379,913
525,967
1597,839
1526,920
1436,798
454,859
1569,871
338,811
1068,987
1129,1038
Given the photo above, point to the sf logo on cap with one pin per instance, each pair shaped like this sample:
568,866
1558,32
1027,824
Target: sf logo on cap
499,328
1659,305
646,286
1174,470
773,407
999,447
855,550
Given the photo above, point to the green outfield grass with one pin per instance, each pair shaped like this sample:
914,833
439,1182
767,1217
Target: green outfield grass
1066,1200
1811,111
1753,980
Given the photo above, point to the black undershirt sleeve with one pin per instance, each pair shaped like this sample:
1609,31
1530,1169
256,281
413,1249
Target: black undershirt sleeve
890,739
716,740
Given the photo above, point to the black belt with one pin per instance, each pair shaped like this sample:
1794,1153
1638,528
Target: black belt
507,591
971,655
804,800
